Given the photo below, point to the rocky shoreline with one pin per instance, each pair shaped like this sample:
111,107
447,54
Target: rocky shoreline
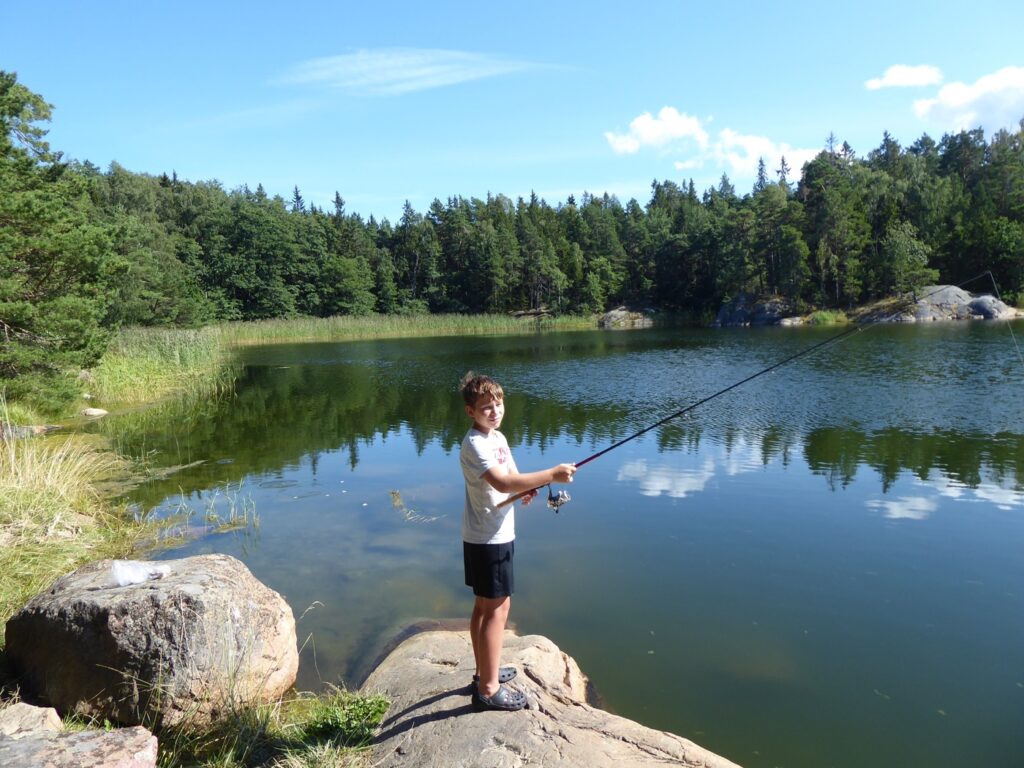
203,631
934,303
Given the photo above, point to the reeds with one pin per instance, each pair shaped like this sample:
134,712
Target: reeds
52,519
390,326
145,364
827,317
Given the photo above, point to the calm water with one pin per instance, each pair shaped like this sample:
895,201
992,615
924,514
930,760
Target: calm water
821,568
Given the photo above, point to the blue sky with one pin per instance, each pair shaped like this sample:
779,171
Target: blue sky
386,102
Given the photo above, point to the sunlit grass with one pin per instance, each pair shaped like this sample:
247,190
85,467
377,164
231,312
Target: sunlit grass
144,364
827,317
391,326
330,730
52,519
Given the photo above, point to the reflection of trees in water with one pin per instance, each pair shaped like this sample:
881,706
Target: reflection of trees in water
281,415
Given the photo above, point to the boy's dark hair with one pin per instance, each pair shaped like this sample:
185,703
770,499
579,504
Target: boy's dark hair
476,385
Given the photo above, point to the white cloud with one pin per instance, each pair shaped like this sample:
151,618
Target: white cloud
648,131
735,153
902,76
994,101
906,507
740,153
392,71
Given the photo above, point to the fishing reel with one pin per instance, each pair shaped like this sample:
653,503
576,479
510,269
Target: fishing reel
557,500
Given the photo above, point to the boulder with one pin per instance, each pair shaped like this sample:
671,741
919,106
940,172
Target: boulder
624,317
948,302
119,748
158,643
431,723
746,309
93,413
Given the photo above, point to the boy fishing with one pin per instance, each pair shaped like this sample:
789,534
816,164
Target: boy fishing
488,534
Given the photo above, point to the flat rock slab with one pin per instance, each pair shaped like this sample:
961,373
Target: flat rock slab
431,722
22,719
120,748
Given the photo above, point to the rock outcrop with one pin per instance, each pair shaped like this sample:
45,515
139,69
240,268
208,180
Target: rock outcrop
745,309
159,643
624,317
431,723
35,736
947,302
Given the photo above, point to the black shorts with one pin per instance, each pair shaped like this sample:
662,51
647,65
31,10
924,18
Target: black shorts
489,568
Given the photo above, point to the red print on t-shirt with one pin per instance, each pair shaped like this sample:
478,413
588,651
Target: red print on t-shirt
501,454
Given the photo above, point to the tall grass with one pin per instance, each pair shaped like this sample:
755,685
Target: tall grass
52,519
146,364
389,326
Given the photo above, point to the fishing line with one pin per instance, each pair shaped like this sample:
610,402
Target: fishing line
1009,325
557,501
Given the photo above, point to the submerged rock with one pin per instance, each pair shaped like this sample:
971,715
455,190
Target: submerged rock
431,723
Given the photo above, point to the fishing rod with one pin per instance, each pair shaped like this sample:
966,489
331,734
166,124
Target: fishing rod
556,501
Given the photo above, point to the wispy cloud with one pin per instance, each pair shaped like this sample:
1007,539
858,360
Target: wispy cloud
902,76
393,71
993,101
678,133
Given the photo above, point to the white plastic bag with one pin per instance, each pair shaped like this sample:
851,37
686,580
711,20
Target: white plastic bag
127,572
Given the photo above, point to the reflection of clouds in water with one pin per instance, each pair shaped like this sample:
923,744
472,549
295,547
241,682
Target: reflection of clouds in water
920,507
906,507
673,481
1004,498
680,482
990,493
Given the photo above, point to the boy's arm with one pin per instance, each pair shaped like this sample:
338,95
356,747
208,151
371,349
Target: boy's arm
516,482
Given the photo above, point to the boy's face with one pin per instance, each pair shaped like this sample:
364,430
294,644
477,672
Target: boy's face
486,413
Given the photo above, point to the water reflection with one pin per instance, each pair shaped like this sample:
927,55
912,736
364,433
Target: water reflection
849,528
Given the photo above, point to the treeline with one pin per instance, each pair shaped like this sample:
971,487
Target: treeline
84,251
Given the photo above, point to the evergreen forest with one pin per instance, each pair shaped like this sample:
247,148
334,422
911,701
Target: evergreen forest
85,251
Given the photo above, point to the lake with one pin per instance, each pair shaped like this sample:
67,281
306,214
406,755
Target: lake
822,567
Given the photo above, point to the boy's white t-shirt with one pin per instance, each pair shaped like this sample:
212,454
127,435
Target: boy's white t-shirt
482,521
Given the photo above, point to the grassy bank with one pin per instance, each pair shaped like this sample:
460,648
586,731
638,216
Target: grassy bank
52,519
145,364
390,326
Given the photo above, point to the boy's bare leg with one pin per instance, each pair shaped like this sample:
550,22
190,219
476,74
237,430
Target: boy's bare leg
487,631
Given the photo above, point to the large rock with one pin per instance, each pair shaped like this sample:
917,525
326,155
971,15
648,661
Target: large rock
624,317
746,309
431,723
155,642
948,302
119,748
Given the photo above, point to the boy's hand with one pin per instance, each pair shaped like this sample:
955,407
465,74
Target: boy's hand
563,473
530,496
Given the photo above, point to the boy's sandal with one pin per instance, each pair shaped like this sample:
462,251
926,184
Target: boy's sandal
504,675
504,699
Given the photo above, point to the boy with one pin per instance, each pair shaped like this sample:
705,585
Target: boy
488,534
